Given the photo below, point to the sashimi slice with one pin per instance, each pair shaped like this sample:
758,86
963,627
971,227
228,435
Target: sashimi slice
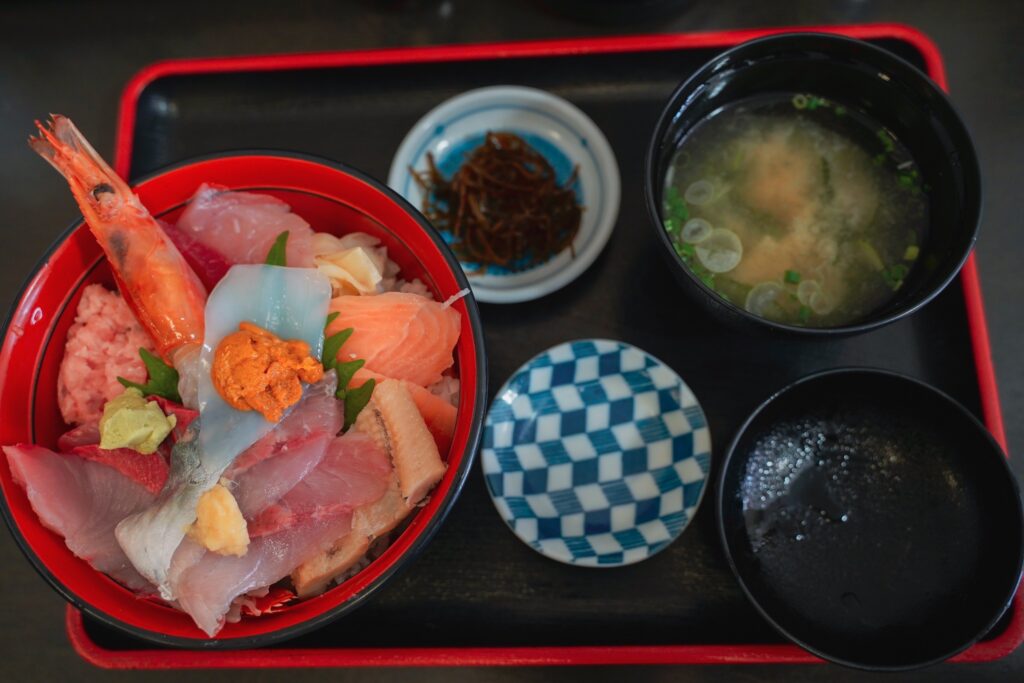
354,472
318,414
149,471
206,583
182,415
82,501
242,226
289,454
392,420
369,522
82,435
291,303
209,264
439,414
399,335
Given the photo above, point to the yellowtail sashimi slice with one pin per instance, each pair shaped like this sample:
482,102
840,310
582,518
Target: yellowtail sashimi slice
291,303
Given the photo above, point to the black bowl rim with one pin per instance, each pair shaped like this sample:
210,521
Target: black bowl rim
969,158
995,450
418,544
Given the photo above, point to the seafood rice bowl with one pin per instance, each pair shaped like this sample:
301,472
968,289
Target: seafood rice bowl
237,397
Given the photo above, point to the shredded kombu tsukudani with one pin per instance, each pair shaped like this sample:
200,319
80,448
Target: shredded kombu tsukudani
503,205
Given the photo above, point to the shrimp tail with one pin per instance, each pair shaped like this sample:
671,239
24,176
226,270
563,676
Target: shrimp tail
99,192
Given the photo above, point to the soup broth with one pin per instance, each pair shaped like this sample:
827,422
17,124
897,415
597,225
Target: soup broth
796,209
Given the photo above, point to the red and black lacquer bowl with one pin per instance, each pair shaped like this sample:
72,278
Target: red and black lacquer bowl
332,198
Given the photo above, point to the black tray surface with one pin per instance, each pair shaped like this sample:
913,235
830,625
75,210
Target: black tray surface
476,584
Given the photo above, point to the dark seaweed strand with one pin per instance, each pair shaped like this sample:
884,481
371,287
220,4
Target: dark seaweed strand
503,206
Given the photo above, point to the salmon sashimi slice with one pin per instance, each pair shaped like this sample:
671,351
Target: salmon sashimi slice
82,501
439,414
392,420
399,335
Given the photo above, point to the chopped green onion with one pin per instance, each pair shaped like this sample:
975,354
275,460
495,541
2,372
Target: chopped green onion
912,252
800,101
805,314
792,277
670,226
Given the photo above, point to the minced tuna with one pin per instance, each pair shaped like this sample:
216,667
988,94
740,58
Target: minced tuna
103,344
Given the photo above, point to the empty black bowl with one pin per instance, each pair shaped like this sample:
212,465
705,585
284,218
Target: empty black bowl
871,519
861,77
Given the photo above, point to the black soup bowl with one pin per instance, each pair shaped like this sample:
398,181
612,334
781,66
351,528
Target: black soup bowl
863,78
871,519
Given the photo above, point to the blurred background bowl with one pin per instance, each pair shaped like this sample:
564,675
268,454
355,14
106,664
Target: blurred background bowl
332,198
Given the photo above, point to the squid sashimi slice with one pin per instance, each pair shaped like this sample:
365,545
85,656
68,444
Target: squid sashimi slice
399,335
242,226
276,463
439,414
82,501
291,303
354,472
206,583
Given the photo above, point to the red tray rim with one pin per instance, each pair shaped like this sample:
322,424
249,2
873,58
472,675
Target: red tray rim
1000,646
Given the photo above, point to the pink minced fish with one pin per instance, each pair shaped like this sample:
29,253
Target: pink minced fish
242,226
83,501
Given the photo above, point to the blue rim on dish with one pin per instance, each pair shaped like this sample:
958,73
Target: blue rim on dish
596,453
559,131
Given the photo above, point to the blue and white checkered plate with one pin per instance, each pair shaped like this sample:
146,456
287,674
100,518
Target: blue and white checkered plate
596,453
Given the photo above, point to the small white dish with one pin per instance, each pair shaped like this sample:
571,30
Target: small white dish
563,134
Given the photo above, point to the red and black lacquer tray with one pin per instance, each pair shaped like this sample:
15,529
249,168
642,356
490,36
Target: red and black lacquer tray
477,596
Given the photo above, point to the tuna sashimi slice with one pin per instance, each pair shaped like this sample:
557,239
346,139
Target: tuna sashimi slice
182,415
149,471
354,472
242,226
82,435
82,501
210,265
399,335
206,583
439,414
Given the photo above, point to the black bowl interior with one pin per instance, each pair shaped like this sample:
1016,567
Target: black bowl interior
860,76
871,519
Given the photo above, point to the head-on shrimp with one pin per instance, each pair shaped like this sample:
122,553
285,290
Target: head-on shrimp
151,273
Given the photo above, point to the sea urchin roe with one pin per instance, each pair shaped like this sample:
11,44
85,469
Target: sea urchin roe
253,369
503,206
219,525
129,421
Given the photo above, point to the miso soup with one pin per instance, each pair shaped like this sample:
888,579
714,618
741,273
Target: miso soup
797,209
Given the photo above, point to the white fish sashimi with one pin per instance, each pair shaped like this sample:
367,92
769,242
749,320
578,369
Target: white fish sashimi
82,501
206,583
291,303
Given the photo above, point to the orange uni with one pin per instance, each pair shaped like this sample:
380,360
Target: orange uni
253,369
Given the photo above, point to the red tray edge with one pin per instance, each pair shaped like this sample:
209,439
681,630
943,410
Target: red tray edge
1000,646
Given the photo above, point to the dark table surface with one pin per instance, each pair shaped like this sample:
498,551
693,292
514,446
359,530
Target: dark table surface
76,57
